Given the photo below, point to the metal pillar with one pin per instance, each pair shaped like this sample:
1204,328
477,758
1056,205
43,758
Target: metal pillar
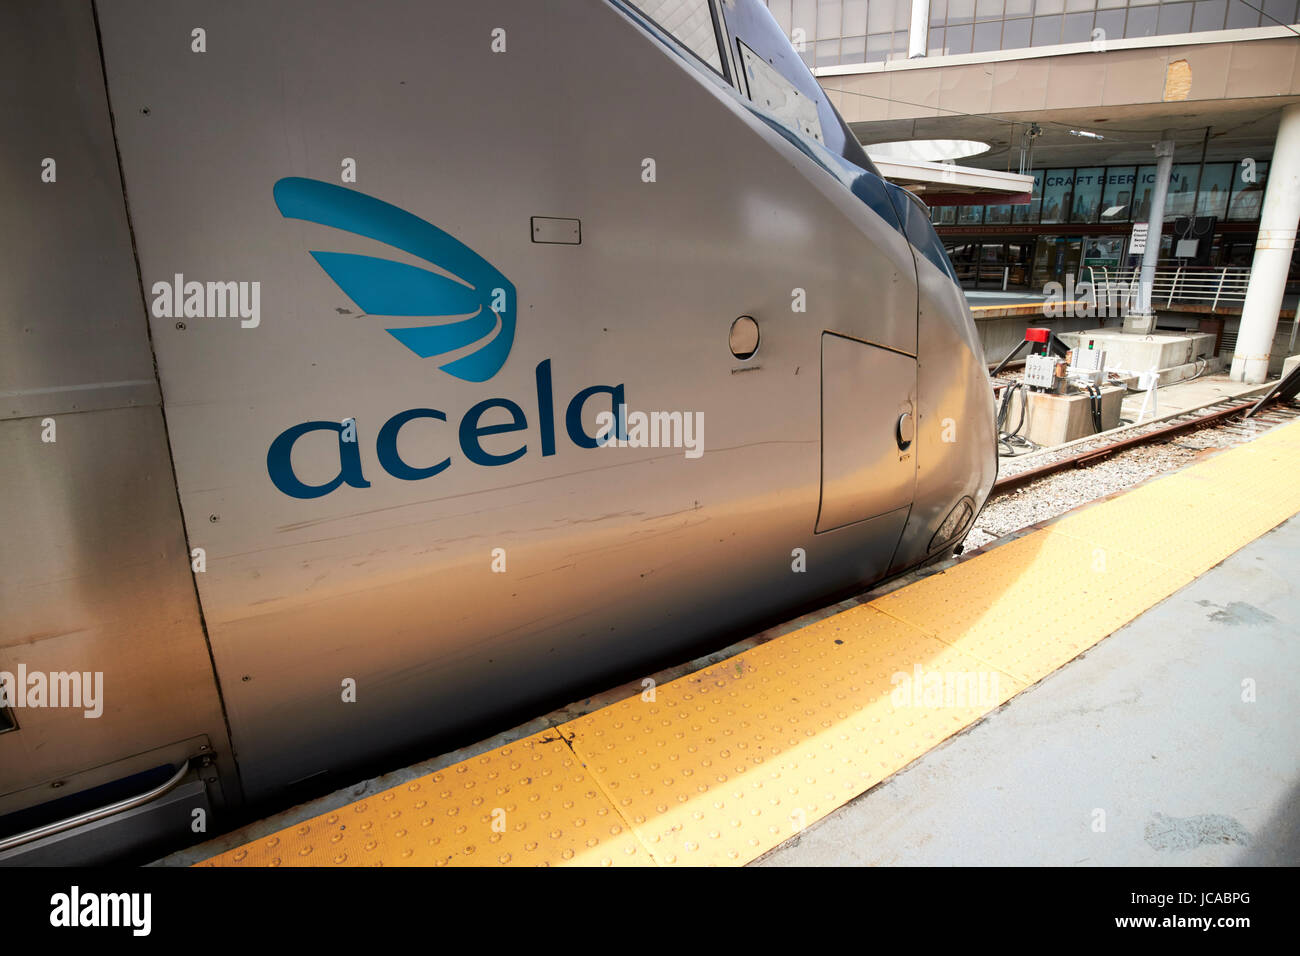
1141,318
916,37
1277,230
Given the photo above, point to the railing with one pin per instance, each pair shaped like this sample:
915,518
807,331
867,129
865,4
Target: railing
1223,286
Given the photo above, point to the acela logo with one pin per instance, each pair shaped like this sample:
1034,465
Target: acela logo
473,292
470,433
482,301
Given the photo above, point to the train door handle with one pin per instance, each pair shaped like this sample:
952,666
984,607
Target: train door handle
905,431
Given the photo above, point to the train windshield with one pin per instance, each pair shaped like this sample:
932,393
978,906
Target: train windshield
690,22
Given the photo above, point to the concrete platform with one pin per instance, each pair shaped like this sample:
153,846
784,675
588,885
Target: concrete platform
1176,356
1189,395
1052,420
1147,733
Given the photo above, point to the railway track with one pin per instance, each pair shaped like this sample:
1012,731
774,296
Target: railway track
1226,415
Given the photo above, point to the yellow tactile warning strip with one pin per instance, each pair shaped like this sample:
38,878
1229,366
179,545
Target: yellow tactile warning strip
728,762
724,764
529,803
1035,603
1193,519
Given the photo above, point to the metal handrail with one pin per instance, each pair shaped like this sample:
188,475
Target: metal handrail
1185,284
90,816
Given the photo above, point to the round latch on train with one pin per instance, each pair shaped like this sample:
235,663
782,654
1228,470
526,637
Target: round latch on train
744,337
906,430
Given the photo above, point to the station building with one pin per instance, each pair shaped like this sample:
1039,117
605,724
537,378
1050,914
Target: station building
1076,93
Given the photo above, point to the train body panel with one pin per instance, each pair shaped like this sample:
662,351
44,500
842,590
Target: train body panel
404,536
95,581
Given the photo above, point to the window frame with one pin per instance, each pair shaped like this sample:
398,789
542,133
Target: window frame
727,72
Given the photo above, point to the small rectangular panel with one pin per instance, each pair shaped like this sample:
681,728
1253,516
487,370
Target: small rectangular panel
865,391
773,92
563,231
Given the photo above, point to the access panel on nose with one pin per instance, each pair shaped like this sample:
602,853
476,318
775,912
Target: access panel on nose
868,431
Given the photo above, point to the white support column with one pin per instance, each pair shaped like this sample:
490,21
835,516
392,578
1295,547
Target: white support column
1277,229
1141,318
916,37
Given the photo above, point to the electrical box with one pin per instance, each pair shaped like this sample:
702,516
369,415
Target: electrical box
1087,359
1040,371
1087,366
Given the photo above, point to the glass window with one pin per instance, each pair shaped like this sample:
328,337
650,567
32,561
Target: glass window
880,15
1277,11
879,47
997,214
1028,212
1057,190
938,12
1175,18
934,46
1047,30
781,12
1087,194
1111,23
1019,8
1078,6
1145,185
853,50
1015,34
805,18
959,39
1044,7
828,18
1208,15
1212,196
960,11
1109,4
855,18
690,21
988,36
969,215
1247,195
828,53
1117,194
945,215
963,259
1240,16
1077,28
1141,22
1181,198
988,9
